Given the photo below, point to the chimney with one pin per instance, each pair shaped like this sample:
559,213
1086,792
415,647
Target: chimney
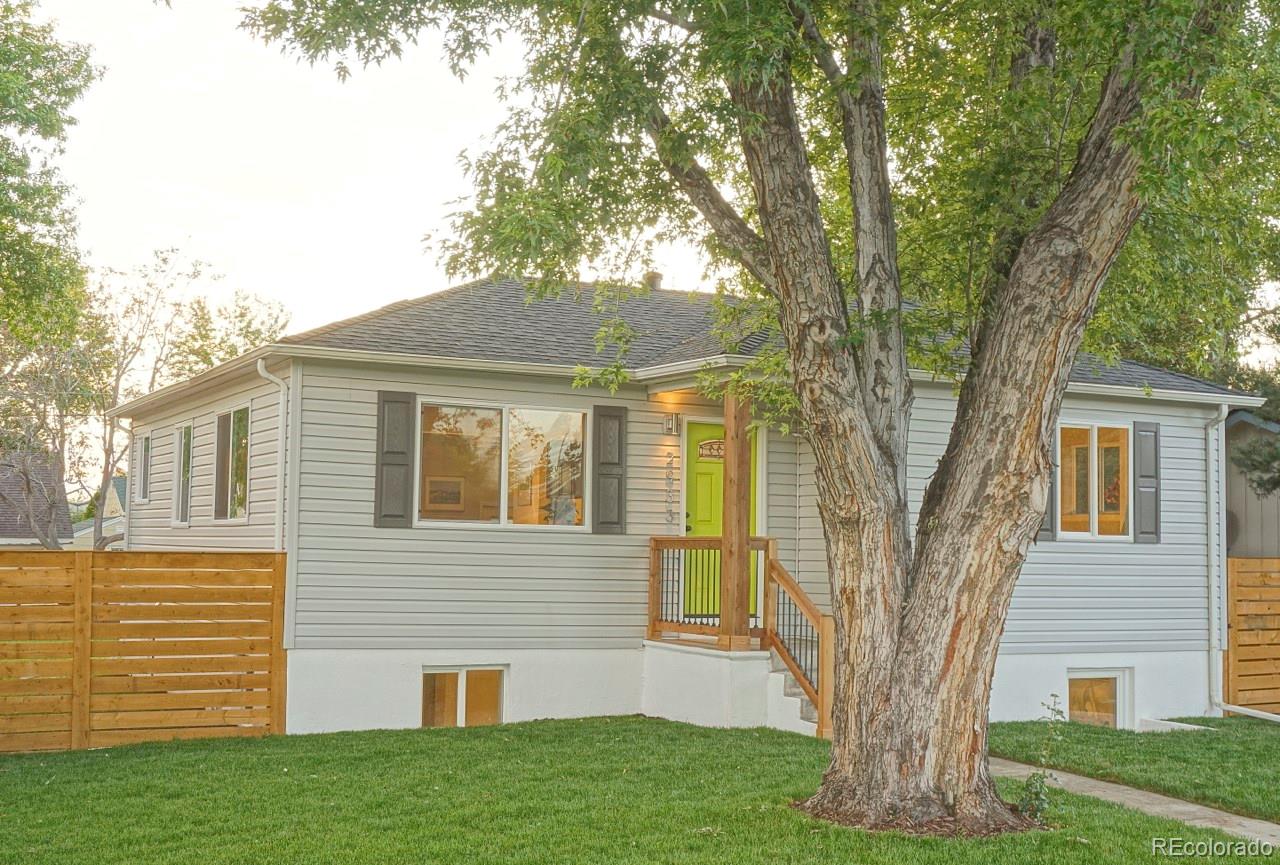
653,280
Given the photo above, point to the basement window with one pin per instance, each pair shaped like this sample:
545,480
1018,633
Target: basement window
462,698
1100,698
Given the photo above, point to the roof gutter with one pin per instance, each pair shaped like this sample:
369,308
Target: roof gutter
677,375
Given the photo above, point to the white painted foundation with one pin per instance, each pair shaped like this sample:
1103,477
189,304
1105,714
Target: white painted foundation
705,686
362,689
1163,684
369,689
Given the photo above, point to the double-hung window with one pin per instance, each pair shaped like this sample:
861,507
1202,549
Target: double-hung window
1095,480
182,440
501,465
231,466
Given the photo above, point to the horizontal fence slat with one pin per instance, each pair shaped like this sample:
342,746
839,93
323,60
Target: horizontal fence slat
37,595
34,703
178,612
198,700
177,718
14,649
188,682
37,613
173,594
35,668
111,738
21,578
124,630
24,723
55,741
105,577
224,664
143,648
35,686
202,560
35,631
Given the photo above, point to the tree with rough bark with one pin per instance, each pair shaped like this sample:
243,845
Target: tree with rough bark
1034,135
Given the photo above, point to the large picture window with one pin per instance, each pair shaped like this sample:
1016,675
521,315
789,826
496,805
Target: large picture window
502,465
1094,480
231,469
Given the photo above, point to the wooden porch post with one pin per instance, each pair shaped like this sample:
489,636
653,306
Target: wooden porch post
735,567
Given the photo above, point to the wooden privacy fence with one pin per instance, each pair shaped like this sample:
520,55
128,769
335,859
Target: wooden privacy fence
1253,633
107,648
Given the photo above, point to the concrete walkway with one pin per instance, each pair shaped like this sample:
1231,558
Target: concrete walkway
1149,803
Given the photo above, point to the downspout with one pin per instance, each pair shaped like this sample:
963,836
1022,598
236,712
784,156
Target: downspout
1213,489
281,429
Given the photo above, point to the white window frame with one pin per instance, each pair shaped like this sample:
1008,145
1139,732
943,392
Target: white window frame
1094,488
242,519
142,487
178,433
461,720
1125,719
503,479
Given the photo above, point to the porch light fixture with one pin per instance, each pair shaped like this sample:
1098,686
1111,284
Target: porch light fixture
671,424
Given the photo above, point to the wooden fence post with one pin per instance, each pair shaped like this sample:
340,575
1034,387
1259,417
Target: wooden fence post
81,681
279,659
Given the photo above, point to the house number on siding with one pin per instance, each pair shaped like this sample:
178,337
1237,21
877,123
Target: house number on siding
671,489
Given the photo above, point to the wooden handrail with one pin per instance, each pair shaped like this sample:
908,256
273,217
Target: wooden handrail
699,542
820,692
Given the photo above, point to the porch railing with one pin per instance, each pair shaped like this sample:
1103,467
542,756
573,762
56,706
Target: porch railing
684,601
803,637
684,585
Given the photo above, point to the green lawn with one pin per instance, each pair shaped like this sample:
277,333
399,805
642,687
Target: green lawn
1235,766
621,790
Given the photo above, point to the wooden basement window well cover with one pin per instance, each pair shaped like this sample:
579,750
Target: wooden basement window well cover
462,698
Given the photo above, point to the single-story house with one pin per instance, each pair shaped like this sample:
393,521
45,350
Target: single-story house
15,527
472,538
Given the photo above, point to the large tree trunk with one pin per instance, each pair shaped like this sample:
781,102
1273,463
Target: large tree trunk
918,623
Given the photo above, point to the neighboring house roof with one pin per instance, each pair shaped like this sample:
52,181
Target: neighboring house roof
83,526
1238,417
120,485
14,525
493,320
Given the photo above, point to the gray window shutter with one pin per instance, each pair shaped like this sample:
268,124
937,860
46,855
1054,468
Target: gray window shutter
1146,483
1049,528
393,478
609,471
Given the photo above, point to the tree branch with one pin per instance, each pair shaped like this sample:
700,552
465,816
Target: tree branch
731,230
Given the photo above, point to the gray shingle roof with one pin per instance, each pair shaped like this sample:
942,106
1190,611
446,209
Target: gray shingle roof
13,522
491,320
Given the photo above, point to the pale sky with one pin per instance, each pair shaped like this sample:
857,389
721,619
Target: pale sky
294,185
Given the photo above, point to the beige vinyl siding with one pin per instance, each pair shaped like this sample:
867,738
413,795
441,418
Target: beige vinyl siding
441,586
1080,595
1253,520
150,525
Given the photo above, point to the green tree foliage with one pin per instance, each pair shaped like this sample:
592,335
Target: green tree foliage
208,337
40,79
982,132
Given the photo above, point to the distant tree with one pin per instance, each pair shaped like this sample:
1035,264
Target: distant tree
208,337
40,79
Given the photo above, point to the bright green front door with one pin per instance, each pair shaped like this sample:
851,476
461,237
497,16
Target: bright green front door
704,515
